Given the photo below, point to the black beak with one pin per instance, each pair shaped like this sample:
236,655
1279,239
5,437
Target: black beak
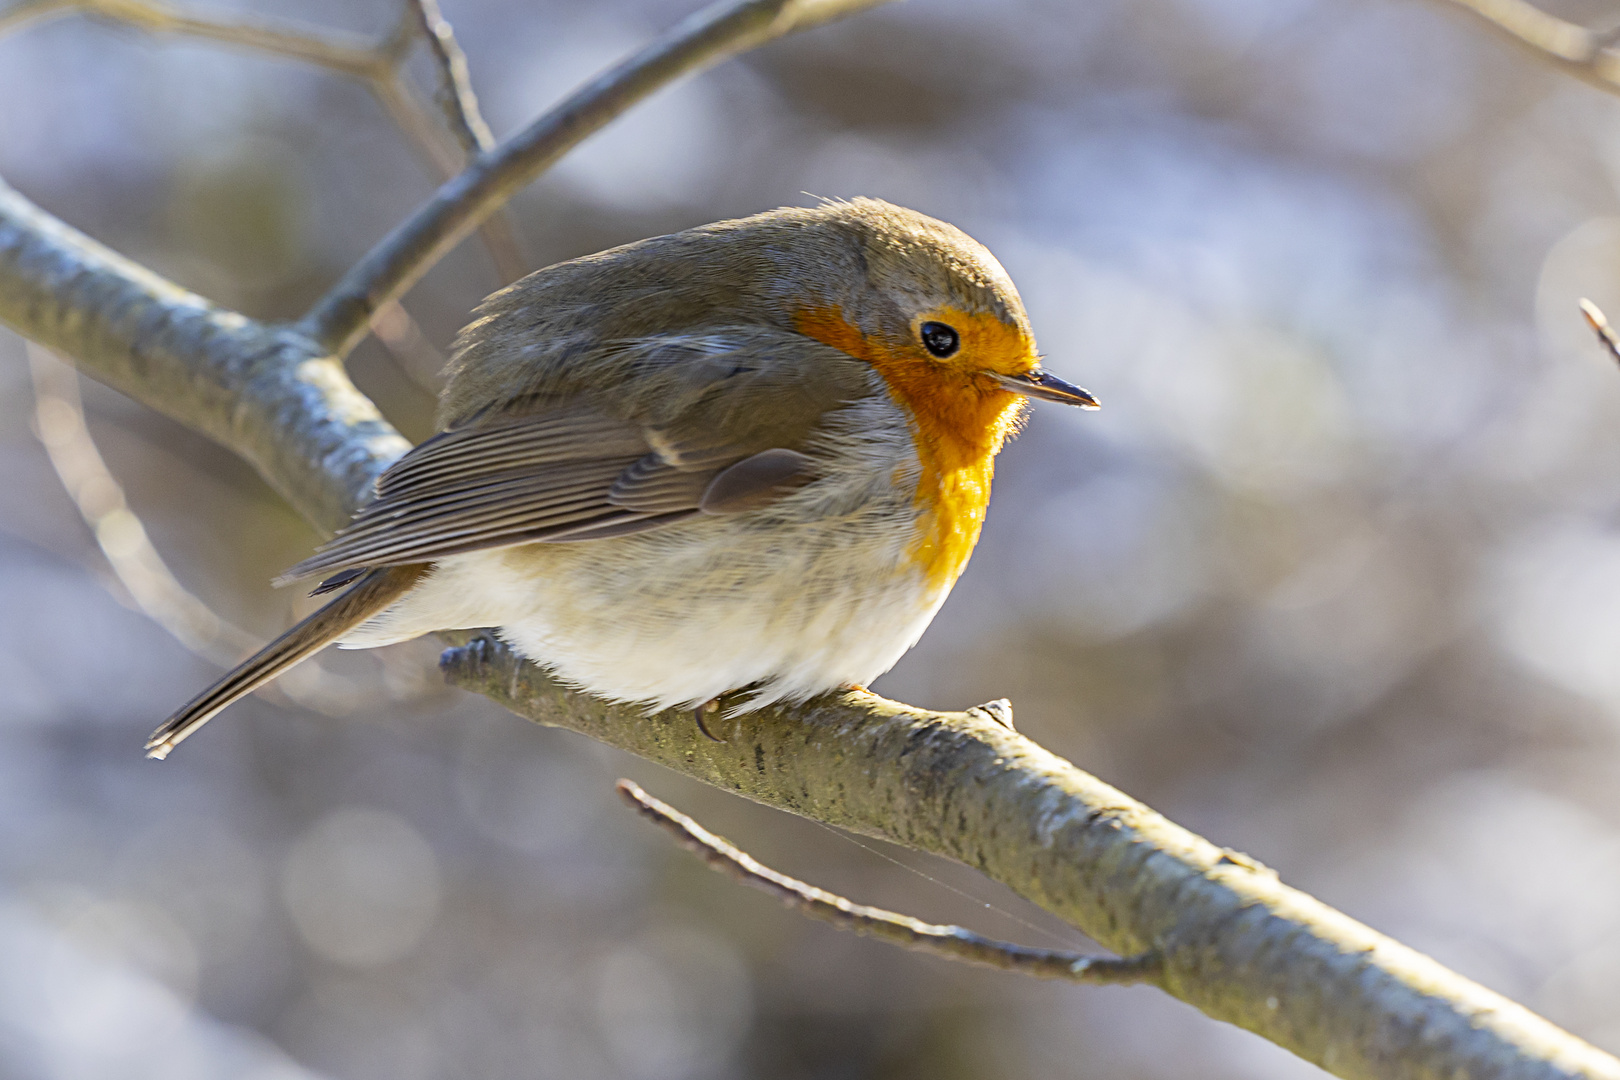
1038,384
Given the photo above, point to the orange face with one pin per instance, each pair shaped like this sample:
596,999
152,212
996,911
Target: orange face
960,413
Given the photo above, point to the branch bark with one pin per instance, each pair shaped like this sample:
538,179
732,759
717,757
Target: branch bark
264,391
1232,939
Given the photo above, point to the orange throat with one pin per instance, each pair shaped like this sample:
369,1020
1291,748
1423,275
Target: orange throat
959,420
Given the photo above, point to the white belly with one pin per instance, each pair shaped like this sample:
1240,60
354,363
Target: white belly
817,591
691,611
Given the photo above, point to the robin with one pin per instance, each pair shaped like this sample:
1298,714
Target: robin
754,454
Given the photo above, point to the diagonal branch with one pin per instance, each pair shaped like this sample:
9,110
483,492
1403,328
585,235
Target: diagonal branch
343,53
263,391
1583,53
60,422
1600,326
135,561
456,95
1233,940
951,942
339,320
377,66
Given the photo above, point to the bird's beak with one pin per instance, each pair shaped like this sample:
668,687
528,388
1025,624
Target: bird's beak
1038,384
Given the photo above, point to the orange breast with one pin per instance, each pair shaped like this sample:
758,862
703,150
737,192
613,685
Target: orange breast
959,421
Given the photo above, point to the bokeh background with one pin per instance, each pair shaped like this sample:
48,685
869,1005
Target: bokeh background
1333,578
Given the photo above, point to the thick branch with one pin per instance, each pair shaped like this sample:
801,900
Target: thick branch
1232,939
340,319
265,392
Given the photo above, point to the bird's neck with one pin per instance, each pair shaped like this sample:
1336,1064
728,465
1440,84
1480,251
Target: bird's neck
959,425
959,429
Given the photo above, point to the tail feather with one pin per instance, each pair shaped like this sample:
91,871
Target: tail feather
374,592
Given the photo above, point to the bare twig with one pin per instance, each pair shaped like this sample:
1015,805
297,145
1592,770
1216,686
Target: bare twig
455,95
135,561
405,341
376,65
1600,325
20,14
59,419
1577,50
343,53
951,942
339,320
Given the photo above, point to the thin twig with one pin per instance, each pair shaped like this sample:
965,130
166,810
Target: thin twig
60,422
376,65
343,53
951,942
1577,50
136,562
406,342
339,320
18,15
455,95
1606,335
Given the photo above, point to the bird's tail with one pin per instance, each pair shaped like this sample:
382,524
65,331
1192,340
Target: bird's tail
371,594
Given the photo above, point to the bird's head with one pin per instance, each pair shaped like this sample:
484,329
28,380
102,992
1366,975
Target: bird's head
920,300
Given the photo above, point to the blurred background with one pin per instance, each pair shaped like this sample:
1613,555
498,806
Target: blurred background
1333,578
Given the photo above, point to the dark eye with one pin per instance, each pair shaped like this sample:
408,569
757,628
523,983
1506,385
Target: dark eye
940,339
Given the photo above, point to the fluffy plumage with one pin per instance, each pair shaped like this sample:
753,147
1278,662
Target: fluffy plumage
724,458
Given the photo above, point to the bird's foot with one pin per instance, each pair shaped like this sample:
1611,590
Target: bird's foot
708,708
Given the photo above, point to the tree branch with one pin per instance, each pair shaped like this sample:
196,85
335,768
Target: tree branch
1600,325
60,422
264,391
950,942
135,561
1232,939
1582,53
343,53
376,66
456,95
339,320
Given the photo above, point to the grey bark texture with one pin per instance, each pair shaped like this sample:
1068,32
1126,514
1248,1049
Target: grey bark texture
1229,937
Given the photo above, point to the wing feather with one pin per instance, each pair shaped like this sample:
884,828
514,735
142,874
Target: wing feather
528,442
652,486
552,466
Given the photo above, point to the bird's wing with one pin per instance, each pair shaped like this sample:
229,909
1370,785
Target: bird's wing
569,469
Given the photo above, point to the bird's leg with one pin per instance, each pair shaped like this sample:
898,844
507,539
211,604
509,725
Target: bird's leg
712,706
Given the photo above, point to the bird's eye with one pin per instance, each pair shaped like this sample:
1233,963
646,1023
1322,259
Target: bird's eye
939,339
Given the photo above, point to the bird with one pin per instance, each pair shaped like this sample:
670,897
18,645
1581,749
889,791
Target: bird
751,455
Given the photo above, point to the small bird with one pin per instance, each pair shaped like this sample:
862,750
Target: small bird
751,455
